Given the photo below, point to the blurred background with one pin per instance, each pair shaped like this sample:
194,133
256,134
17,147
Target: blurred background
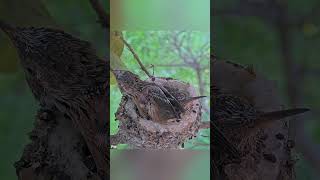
160,165
281,39
17,106
182,55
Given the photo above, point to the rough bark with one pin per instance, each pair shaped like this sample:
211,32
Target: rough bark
273,160
141,133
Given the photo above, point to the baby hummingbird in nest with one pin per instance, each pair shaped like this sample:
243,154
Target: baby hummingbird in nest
64,73
153,101
241,123
237,112
239,119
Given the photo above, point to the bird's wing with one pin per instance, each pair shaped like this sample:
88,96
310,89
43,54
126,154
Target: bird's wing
183,97
233,111
162,101
177,105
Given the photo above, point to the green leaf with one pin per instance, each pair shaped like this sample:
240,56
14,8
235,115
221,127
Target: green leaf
116,43
115,63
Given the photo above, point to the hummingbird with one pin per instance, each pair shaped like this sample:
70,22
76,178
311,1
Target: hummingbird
64,73
153,101
240,122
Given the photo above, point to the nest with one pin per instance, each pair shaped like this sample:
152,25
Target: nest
140,133
268,154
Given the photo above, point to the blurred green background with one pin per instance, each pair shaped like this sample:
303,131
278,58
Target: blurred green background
182,55
17,106
275,36
161,15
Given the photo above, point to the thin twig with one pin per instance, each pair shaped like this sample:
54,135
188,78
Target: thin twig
205,125
171,65
104,18
135,56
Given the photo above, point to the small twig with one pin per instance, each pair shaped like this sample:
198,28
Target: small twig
135,56
152,66
205,125
172,65
103,16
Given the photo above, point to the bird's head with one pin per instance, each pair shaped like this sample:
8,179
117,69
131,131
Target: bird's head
22,38
38,45
127,81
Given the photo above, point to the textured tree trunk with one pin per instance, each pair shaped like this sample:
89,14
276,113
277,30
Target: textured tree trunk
273,160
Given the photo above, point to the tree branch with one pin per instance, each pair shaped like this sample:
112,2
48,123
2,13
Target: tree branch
104,18
189,57
205,125
135,56
171,65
